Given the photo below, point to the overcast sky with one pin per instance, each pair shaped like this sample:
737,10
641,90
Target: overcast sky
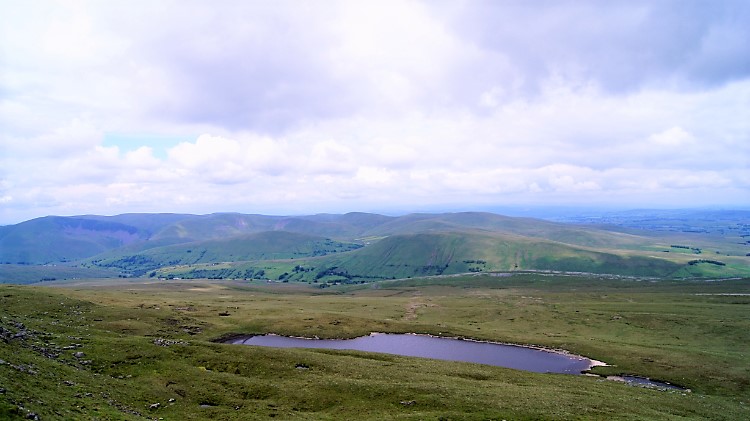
298,107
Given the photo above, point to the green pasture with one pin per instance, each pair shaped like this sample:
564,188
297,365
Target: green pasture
149,349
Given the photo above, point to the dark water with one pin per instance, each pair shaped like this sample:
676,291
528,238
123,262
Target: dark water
510,356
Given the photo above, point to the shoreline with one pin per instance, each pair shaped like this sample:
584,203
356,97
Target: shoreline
629,379
229,338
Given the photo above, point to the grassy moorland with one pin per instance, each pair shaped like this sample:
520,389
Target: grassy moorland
145,350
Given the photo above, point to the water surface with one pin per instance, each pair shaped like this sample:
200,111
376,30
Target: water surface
510,356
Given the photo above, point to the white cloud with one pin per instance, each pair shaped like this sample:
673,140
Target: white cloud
674,137
207,153
142,158
72,138
361,105
329,157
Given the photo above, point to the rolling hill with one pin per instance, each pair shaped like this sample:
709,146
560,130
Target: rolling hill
256,246
439,253
60,239
460,252
352,247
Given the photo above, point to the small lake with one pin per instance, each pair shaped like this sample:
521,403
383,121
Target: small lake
411,345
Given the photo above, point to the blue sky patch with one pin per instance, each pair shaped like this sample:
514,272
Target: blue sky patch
132,141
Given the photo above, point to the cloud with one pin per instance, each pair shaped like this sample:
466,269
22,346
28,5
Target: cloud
75,136
673,137
574,145
620,47
347,105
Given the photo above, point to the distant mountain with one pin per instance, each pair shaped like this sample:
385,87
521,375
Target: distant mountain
223,225
361,246
147,223
63,239
56,239
488,222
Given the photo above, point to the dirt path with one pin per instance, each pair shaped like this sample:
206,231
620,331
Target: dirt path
414,304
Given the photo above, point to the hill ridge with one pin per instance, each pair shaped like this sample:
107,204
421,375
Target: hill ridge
354,245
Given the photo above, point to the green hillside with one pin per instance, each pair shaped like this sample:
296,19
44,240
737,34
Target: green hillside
423,254
257,246
325,248
206,227
221,225
62,239
345,227
565,233
146,350
147,223
28,274
449,253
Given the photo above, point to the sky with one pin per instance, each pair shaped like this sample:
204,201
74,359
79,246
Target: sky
299,107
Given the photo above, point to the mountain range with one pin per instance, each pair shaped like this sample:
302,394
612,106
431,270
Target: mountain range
352,247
